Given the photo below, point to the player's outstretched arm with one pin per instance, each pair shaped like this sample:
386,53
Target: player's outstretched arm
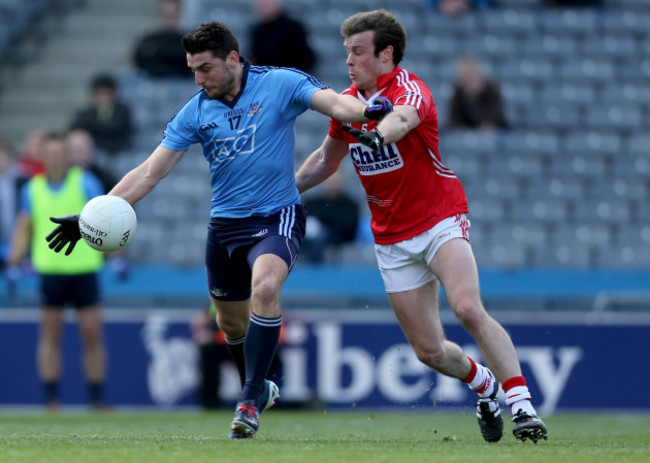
348,108
137,183
321,163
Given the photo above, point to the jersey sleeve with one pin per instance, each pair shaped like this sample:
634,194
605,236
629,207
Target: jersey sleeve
181,131
335,125
418,95
299,87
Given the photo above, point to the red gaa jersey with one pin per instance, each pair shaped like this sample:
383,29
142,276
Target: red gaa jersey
408,188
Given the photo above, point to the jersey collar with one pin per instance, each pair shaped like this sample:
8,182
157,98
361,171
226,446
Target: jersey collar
244,78
382,82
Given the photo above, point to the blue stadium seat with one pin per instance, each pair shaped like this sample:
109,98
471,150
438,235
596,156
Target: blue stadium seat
553,116
542,210
569,255
626,257
606,210
526,69
532,234
592,233
627,92
610,46
438,23
463,165
583,163
550,46
638,144
485,209
635,70
628,186
508,21
520,165
622,20
468,139
544,141
598,141
435,46
503,256
492,46
638,165
621,116
557,185
581,93
578,22
633,234
596,70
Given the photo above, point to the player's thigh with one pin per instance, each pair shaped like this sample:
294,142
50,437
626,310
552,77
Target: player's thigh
271,260
228,273
454,265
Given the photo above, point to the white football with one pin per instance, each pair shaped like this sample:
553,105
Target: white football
107,223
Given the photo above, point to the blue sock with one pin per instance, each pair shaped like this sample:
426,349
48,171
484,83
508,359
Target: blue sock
236,349
261,343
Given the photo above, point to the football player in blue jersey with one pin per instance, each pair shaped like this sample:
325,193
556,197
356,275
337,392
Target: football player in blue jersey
244,119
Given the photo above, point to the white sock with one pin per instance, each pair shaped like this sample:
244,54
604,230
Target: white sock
482,383
518,398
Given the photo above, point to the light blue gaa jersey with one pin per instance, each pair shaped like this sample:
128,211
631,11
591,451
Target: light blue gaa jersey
248,142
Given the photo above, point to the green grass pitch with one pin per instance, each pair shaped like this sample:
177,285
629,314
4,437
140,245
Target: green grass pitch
308,436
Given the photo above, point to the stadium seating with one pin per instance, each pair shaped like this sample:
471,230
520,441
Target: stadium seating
566,187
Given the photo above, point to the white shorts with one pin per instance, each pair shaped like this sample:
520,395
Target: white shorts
404,266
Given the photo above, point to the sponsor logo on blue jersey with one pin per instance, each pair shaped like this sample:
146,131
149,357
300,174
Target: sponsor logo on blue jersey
370,163
227,148
211,125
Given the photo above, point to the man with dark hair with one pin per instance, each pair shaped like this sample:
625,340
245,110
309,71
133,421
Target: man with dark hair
279,40
244,118
159,54
418,209
106,118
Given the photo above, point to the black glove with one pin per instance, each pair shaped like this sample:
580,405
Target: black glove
378,109
67,233
373,139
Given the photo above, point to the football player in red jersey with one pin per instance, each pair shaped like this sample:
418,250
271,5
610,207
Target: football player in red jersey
419,224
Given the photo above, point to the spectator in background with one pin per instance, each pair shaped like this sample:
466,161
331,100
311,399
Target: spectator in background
213,351
159,54
81,153
455,8
106,118
278,40
572,3
9,186
476,102
332,219
30,162
63,279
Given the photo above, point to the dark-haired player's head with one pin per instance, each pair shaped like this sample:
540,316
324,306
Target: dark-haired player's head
214,37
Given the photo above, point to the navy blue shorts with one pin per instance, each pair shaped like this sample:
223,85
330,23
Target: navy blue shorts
233,245
79,290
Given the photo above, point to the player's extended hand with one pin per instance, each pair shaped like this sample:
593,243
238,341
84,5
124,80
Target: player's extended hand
373,139
378,109
67,233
